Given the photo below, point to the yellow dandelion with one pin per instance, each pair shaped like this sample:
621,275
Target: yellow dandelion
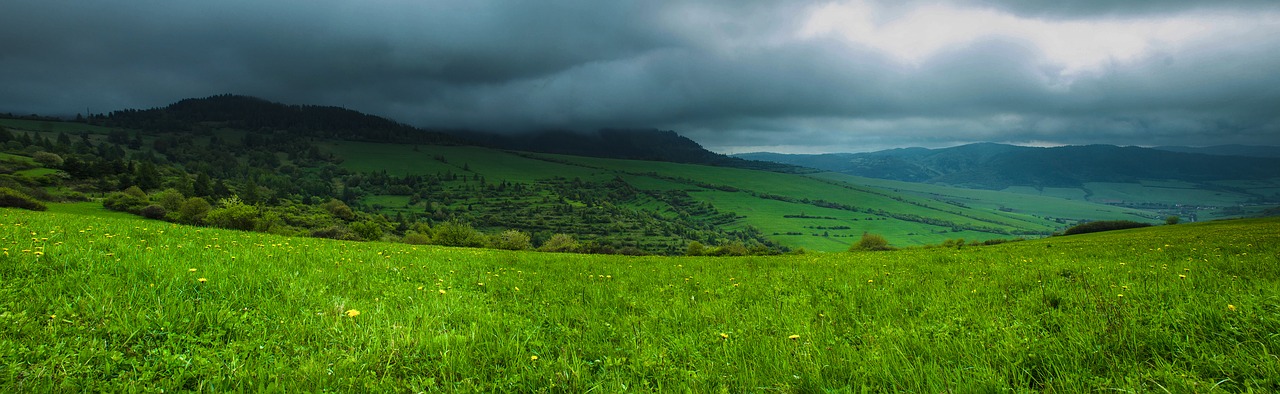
1180,276
724,336
202,280
1120,295
191,270
533,358
441,291
870,280
1231,307
353,313
480,284
794,337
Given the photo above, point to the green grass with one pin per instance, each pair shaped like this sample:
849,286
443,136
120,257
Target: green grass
979,214
102,304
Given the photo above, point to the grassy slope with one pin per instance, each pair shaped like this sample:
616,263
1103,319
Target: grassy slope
106,304
1032,214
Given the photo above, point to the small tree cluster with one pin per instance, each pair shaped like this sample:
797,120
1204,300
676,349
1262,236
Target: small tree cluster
873,242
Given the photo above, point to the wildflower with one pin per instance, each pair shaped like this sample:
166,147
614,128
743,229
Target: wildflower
1231,308
724,336
1180,276
353,313
794,337
441,291
202,280
533,358
1120,295
191,270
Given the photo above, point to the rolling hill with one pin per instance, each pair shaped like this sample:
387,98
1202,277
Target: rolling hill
295,175
1194,185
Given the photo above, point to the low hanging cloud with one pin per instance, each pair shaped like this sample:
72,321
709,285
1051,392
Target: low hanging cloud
735,76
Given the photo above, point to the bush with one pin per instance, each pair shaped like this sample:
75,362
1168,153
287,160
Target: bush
416,238
153,211
871,241
730,249
367,230
339,209
458,234
125,202
17,199
560,243
335,232
1103,225
170,199
193,210
1172,220
234,214
695,249
47,159
511,240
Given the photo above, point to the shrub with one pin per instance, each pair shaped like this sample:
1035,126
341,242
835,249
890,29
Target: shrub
511,240
125,202
47,159
455,233
335,232
367,230
1103,225
170,199
560,243
339,209
193,210
416,238
1172,220
730,249
153,211
871,241
17,199
695,249
234,214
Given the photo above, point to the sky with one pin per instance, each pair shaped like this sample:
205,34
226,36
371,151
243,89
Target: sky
734,75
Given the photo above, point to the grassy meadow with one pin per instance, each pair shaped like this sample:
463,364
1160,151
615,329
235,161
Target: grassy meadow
93,303
781,206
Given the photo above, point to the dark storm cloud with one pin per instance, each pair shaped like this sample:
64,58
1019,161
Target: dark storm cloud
733,75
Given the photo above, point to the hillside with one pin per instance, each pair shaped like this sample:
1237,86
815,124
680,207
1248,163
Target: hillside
652,145
1192,185
111,305
240,163
1227,150
997,166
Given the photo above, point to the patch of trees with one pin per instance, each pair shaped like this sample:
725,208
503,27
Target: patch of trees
1103,225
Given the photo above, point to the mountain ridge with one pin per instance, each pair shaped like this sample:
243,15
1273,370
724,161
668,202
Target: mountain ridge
998,166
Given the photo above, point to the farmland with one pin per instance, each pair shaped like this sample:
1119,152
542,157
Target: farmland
108,304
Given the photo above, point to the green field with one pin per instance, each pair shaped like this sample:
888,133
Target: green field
104,304
909,214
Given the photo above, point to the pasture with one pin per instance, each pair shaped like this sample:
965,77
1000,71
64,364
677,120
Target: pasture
106,304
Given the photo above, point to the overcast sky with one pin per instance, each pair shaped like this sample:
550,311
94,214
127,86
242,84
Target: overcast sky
734,75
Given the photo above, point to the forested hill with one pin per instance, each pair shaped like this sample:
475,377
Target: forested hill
255,114
635,144
997,166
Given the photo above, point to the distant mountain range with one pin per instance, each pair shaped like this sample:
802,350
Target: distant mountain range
998,166
1227,150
